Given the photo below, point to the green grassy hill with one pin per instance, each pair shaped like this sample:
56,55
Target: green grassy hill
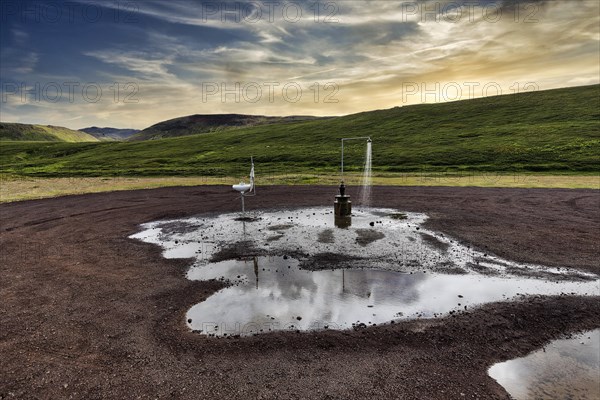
197,124
550,131
41,133
107,134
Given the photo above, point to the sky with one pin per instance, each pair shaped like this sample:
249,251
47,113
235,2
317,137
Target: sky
131,64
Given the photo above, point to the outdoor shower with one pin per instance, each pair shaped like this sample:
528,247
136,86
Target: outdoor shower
342,205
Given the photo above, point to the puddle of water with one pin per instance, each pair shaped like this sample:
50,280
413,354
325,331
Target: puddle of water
273,293
377,238
565,369
410,271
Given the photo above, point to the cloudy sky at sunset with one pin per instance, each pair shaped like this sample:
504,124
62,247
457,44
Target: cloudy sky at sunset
156,60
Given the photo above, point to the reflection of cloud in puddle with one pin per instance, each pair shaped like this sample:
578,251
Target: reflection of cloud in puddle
274,297
564,369
272,292
275,293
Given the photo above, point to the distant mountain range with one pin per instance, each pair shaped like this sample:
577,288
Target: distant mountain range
42,133
110,133
182,126
206,123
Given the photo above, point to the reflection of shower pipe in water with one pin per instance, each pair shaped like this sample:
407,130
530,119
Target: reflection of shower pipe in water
255,259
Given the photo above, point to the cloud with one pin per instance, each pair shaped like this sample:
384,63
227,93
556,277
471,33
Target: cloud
368,50
18,61
20,36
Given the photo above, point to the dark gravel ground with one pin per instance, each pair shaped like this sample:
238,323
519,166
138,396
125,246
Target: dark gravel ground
87,313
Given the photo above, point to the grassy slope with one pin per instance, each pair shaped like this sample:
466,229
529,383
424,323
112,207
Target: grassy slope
43,133
109,134
552,131
198,124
